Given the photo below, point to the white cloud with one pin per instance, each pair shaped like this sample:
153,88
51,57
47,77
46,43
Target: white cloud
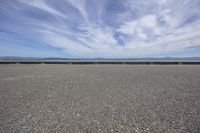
148,27
148,21
43,6
69,46
164,31
161,2
128,27
80,6
100,37
137,27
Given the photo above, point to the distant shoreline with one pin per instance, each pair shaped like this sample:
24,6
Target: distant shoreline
133,61
79,62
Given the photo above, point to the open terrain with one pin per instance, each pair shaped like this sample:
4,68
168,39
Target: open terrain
100,98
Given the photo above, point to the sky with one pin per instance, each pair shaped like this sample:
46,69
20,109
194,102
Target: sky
100,28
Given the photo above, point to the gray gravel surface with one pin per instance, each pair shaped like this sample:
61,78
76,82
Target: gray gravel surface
100,98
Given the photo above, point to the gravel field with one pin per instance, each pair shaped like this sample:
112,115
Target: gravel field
100,98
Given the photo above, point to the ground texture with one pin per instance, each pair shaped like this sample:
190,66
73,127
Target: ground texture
100,98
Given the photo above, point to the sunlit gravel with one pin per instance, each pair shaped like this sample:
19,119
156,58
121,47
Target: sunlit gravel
100,98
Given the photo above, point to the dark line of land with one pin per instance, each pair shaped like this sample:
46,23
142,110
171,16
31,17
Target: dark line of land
106,62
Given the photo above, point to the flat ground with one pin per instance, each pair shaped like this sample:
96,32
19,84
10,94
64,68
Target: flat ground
99,98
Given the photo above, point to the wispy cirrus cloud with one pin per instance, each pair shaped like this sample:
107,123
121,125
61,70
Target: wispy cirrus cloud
104,28
42,5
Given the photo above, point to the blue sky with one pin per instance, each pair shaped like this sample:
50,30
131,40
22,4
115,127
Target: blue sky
100,28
